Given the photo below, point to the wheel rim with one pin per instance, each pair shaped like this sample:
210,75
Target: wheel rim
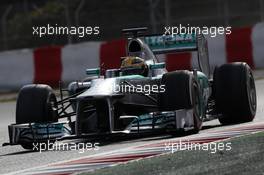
53,107
197,108
252,93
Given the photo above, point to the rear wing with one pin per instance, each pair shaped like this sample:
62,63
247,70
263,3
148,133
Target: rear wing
161,44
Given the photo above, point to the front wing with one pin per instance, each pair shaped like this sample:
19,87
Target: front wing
147,123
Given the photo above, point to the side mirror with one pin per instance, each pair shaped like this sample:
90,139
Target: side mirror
93,72
157,66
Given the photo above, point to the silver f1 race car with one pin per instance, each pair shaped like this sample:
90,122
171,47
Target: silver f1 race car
140,97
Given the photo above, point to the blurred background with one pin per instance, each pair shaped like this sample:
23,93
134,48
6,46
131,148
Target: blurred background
18,16
26,58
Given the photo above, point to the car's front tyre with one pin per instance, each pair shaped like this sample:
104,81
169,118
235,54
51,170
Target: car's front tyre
36,103
235,93
182,92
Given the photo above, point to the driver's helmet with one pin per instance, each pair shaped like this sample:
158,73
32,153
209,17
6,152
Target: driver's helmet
134,66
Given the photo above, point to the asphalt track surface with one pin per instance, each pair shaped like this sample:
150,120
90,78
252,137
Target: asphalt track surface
14,159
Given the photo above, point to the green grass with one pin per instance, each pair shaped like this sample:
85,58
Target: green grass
245,157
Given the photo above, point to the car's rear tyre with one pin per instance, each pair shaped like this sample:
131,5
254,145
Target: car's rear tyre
181,92
36,103
235,93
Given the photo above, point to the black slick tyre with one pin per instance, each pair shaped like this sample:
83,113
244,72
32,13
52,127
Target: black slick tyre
182,92
235,93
